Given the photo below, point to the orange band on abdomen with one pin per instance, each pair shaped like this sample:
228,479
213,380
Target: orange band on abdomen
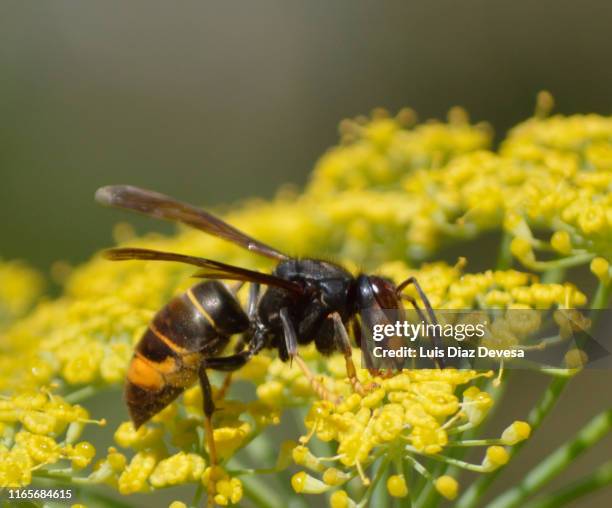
144,375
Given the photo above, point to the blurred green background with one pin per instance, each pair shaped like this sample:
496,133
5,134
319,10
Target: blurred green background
216,101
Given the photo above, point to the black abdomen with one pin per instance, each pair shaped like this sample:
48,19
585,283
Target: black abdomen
202,313
194,325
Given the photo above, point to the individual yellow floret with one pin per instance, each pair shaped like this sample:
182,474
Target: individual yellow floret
230,437
447,486
340,499
561,242
335,477
496,456
228,491
396,486
134,478
303,457
81,454
428,440
303,483
601,268
177,469
42,449
145,437
516,432
476,404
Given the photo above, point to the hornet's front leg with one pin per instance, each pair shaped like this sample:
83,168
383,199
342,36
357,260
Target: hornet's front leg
226,364
430,312
292,350
343,342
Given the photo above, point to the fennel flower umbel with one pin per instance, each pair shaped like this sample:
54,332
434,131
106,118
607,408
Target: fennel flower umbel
387,199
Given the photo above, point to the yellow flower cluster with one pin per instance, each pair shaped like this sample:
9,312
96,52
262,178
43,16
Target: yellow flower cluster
20,287
390,194
415,412
378,153
549,173
30,424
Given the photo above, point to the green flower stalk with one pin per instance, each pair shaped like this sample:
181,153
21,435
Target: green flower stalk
389,199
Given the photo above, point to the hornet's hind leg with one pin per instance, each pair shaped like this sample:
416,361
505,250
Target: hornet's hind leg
209,409
225,364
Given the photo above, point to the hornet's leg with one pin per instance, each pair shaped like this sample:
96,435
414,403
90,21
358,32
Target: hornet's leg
344,345
292,349
432,316
412,281
222,391
227,364
251,310
209,409
416,306
235,361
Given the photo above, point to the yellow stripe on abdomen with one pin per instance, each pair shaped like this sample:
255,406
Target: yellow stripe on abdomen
201,309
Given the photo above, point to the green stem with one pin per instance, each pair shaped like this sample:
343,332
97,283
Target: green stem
408,472
61,477
546,403
602,295
598,479
553,275
81,394
504,258
429,496
198,494
556,462
566,373
461,464
382,468
568,262
476,442
380,496
472,495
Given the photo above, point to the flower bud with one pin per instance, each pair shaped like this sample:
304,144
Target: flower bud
303,483
447,487
396,485
515,433
495,457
